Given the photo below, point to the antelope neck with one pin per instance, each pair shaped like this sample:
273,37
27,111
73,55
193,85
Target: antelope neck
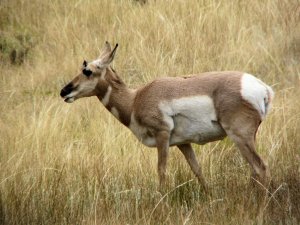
119,101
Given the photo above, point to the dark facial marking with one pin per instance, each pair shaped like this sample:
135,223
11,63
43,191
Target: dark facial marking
87,72
66,90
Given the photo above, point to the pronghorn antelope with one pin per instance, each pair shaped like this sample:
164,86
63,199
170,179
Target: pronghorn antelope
178,111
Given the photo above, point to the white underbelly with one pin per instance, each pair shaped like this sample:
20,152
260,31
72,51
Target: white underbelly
192,119
195,130
187,131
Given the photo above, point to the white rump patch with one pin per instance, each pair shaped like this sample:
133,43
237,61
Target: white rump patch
257,93
105,99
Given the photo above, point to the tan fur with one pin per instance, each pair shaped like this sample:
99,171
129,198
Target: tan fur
237,117
217,85
122,98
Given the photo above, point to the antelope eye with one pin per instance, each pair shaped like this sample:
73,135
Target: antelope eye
87,72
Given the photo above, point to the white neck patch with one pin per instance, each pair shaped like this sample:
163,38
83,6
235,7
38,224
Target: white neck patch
105,99
115,112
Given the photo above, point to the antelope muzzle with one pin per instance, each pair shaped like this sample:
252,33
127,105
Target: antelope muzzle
66,93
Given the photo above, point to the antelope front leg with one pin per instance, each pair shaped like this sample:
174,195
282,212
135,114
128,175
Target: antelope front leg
162,143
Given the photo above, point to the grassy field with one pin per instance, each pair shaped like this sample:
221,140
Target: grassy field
75,164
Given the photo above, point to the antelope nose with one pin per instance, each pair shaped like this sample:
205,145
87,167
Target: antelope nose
63,93
66,90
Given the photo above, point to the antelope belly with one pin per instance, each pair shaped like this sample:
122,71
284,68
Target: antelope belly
201,131
192,119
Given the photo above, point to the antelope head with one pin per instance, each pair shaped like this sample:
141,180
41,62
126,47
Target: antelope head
92,80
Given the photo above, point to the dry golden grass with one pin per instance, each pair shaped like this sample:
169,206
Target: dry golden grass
75,164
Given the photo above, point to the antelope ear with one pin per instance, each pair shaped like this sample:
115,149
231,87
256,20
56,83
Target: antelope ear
105,50
108,58
84,64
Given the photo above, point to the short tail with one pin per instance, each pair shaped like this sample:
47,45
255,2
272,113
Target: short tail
268,99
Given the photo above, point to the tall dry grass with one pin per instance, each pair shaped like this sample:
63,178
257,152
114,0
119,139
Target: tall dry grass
75,164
